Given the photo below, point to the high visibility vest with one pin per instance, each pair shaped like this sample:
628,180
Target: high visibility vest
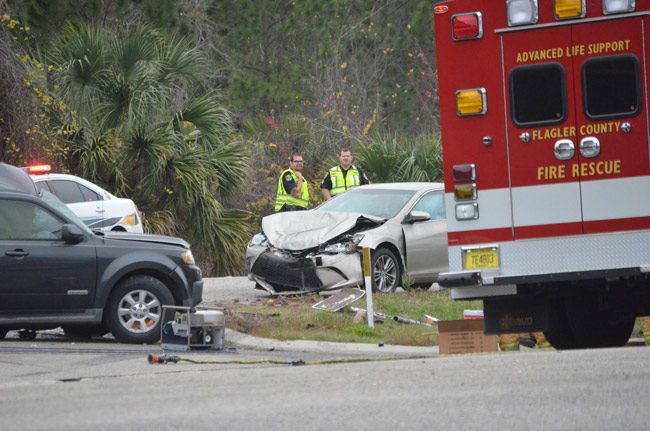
340,184
282,197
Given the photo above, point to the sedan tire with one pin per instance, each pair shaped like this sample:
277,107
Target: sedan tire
386,273
134,310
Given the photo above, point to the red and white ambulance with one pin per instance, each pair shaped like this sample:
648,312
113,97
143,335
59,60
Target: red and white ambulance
545,132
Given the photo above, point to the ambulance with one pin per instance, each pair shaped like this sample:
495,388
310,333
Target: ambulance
545,136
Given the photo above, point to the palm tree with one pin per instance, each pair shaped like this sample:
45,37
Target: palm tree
146,128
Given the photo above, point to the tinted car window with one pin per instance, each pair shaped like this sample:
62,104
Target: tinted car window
88,194
68,191
27,221
434,204
42,185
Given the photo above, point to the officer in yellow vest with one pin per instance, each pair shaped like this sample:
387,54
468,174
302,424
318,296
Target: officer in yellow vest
342,177
293,191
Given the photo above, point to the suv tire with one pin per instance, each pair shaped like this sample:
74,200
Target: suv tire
134,311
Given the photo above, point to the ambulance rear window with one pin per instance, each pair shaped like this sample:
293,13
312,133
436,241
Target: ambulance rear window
538,95
611,87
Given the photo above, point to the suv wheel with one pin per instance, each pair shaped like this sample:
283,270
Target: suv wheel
134,310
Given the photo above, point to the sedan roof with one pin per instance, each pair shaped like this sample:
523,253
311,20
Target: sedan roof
406,186
14,179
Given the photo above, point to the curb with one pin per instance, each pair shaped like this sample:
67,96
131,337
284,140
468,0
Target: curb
238,339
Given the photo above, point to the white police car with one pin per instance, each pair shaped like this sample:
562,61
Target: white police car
96,207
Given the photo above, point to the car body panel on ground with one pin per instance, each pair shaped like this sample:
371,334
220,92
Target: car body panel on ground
402,223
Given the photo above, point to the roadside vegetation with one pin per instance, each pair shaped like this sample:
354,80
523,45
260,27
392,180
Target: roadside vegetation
191,108
293,318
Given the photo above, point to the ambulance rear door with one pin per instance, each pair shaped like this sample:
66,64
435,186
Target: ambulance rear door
577,127
611,141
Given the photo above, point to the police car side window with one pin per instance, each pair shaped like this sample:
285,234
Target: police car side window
611,87
68,191
434,204
89,195
538,94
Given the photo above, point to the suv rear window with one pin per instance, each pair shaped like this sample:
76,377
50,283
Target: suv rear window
611,87
538,95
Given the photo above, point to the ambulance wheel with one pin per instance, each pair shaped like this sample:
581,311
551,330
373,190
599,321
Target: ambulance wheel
134,309
558,331
386,273
595,327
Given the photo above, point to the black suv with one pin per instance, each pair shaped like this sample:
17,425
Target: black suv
54,271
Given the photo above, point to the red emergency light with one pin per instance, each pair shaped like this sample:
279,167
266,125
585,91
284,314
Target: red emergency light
39,169
467,26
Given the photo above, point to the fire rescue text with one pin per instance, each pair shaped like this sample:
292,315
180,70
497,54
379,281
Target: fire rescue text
579,170
573,51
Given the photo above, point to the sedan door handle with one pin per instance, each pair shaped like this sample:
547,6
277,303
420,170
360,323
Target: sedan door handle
16,253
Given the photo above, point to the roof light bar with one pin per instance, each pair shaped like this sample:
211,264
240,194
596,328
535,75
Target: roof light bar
521,12
618,6
39,169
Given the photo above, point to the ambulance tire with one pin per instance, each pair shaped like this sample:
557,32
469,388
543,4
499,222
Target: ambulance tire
558,332
3,333
593,328
386,272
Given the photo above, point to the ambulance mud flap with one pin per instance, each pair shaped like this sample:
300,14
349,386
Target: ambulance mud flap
515,315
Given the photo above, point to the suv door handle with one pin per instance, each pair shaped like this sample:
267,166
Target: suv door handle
17,253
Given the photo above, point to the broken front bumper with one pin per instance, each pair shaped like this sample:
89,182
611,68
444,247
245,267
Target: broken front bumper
278,271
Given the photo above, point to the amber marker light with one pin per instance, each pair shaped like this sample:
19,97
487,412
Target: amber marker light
471,102
465,192
565,9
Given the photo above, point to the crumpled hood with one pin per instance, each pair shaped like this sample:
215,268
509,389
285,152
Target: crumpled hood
144,237
300,230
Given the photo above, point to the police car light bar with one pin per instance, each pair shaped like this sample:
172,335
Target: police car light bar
38,169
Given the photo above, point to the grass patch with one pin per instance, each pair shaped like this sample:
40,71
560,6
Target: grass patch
294,319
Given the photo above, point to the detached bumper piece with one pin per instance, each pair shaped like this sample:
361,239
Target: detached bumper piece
293,272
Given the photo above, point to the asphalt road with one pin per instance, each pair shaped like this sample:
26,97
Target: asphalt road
58,384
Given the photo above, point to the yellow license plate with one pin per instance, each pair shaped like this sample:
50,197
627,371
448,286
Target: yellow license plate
481,258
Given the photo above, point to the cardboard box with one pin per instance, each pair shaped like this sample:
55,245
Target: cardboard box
464,336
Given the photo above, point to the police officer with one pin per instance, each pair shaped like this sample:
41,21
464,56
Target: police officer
342,177
293,191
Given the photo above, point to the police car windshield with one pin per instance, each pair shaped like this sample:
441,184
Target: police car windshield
375,202
63,208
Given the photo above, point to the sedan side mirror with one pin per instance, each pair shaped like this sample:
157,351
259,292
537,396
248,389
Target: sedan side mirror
72,234
417,216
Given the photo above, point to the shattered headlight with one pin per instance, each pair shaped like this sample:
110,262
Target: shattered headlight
348,244
259,240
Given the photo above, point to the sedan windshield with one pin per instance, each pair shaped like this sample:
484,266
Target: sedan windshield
375,202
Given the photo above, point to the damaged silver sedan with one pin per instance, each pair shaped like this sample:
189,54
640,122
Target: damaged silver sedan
403,224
